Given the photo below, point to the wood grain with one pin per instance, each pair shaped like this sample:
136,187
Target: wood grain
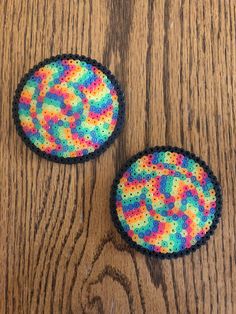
60,252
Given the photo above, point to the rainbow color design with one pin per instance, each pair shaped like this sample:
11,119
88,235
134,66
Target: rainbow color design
68,108
165,202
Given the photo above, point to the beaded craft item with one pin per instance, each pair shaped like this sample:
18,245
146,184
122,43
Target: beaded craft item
68,108
166,202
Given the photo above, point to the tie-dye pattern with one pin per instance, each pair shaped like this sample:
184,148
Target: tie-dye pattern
68,108
165,202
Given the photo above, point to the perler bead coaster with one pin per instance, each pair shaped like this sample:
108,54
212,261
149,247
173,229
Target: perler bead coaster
68,108
166,202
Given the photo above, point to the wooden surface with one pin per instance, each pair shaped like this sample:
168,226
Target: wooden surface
60,252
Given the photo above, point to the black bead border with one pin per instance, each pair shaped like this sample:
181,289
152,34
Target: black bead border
139,247
102,148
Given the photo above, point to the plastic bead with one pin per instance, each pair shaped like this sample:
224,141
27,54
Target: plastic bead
164,203
58,98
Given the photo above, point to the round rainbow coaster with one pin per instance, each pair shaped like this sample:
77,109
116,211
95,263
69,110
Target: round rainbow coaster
68,108
166,202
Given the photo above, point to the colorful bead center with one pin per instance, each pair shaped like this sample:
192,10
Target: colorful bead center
68,108
165,202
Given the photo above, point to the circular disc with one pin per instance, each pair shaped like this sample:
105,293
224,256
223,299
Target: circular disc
166,202
68,108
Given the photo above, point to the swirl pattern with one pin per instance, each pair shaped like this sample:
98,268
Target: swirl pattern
165,202
68,108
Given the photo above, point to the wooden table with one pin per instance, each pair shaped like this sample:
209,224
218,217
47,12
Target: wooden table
60,252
